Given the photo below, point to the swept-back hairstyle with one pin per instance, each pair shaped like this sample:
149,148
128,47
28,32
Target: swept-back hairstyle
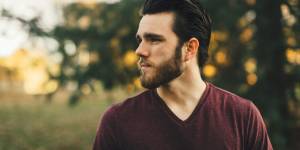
191,20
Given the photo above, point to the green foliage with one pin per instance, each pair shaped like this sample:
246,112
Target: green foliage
104,31
109,33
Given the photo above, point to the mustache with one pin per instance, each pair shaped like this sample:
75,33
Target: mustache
144,62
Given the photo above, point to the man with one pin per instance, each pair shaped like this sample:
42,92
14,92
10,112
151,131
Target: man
179,111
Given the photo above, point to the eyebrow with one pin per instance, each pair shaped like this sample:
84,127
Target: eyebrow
151,36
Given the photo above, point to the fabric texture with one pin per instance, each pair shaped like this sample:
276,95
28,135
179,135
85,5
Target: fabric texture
220,121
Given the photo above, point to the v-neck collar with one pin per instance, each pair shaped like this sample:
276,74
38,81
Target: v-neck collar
172,115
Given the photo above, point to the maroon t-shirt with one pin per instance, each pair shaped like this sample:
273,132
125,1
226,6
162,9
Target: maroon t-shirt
221,120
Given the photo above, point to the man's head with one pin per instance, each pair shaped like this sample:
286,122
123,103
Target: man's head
166,29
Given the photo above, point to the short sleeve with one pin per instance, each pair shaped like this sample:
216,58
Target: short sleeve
106,135
256,132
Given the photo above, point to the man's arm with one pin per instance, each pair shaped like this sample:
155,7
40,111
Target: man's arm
106,137
256,132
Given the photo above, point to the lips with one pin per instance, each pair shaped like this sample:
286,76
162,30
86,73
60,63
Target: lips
144,67
143,64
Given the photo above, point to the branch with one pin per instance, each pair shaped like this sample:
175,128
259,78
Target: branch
32,23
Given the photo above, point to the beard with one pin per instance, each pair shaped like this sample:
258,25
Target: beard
164,72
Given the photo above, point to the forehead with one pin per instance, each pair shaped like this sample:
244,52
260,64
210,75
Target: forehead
160,23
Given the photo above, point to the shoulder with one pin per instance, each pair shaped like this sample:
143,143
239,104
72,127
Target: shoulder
230,103
129,106
226,98
234,106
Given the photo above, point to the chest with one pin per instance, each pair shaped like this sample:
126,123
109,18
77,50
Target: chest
162,132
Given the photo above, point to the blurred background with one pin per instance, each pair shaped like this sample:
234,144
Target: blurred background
63,62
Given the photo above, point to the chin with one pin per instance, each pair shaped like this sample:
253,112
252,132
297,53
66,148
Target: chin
148,83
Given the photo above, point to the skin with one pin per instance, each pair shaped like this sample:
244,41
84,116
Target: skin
157,44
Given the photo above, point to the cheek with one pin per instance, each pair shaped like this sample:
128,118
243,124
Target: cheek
162,52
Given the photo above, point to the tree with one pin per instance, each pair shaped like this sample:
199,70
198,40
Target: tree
272,84
96,43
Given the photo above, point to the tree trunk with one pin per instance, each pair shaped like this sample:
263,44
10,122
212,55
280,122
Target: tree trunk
271,87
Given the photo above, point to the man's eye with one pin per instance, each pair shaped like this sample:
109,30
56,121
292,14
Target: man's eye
155,41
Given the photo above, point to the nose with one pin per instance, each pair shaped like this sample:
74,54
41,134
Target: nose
142,50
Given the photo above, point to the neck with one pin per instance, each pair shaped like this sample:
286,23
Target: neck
185,90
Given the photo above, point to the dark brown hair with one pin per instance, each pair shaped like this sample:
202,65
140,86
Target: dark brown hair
191,20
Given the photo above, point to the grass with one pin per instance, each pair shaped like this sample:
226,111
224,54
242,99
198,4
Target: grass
37,125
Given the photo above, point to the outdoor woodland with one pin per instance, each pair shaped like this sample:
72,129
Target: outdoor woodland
254,52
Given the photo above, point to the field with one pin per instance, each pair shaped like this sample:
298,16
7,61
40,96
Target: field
37,125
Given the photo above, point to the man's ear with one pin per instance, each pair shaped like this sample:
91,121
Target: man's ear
191,49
